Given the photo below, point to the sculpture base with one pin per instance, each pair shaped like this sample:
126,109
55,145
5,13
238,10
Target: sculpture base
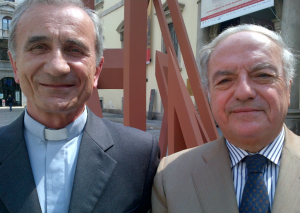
292,120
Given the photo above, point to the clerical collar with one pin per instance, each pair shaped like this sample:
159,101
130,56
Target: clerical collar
71,131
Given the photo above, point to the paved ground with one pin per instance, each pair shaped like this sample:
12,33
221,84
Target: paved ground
153,126
6,116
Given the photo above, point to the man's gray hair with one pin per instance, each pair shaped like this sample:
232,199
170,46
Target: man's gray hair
24,6
288,58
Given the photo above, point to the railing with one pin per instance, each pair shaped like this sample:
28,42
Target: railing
5,33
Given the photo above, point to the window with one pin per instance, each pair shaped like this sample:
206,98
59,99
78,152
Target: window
174,39
6,22
120,30
5,26
97,1
4,54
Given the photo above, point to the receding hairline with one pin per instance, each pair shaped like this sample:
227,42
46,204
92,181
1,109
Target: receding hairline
244,32
52,4
273,43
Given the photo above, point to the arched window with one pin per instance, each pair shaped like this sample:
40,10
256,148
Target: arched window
6,22
5,26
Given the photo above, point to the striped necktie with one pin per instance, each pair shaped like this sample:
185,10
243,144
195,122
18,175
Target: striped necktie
255,195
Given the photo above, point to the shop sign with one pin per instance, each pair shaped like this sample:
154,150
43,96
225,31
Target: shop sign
3,102
217,11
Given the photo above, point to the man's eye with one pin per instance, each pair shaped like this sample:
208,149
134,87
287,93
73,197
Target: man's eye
264,75
38,47
74,50
224,81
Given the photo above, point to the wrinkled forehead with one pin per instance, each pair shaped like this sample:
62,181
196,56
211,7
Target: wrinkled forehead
245,44
246,39
40,16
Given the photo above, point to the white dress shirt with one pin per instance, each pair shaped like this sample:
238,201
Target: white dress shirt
53,162
270,172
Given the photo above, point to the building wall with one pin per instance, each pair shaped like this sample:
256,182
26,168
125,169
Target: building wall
112,98
6,10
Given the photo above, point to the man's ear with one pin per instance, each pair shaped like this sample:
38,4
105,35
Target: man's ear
97,74
14,66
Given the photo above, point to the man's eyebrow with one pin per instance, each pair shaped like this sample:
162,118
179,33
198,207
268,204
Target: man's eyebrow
221,73
77,43
35,39
264,65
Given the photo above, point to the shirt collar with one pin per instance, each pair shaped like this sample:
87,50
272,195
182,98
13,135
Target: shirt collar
74,129
272,151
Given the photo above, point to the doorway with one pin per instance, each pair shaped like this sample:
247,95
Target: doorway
8,86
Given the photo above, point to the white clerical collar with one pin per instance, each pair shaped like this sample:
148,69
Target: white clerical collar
71,131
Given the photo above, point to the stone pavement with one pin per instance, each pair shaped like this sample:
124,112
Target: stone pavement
6,116
153,126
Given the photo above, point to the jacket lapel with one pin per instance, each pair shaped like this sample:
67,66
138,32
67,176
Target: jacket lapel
17,188
94,167
213,180
288,185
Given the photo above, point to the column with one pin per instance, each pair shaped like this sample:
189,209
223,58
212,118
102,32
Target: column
202,35
134,71
278,10
290,33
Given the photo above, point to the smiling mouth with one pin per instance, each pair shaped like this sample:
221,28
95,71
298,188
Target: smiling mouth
245,110
57,85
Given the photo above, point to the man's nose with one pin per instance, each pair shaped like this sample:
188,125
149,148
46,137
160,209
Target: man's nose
244,89
57,64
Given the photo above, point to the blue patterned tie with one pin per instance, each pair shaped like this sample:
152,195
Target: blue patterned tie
255,195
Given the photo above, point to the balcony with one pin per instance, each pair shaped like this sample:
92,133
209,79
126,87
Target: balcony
5,34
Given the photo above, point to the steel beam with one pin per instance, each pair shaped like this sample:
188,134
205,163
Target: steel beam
111,76
161,73
192,70
135,46
183,128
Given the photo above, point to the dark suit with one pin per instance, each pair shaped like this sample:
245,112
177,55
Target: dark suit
114,172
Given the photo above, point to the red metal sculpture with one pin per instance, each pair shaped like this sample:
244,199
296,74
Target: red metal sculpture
182,126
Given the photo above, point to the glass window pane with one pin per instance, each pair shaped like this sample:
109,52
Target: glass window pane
9,22
4,24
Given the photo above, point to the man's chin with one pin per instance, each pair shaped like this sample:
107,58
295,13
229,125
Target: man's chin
58,106
244,130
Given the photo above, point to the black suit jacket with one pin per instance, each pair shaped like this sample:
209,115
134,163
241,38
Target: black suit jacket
114,172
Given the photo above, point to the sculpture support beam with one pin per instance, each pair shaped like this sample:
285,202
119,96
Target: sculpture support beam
135,46
192,70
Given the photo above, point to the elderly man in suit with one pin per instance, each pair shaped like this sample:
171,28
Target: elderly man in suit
58,156
247,72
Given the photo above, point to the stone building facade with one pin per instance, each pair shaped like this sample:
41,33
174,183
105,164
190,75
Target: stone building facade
7,84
